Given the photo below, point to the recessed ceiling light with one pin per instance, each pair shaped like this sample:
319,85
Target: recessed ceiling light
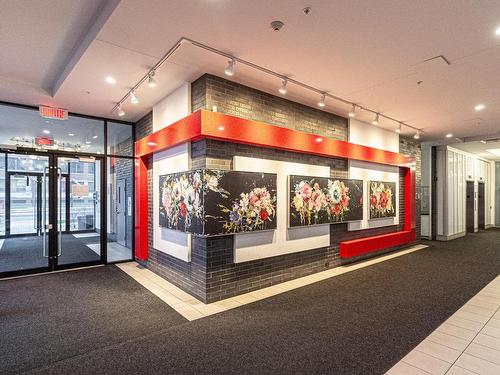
483,142
110,80
45,131
95,136
449,135
71,134
480,107
88,142
497,31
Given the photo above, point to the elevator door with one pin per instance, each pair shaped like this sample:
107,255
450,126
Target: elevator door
481,206
470,206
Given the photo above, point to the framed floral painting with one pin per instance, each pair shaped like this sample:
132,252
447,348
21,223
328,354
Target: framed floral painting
181,201
322,200
237,202
382,196
212,202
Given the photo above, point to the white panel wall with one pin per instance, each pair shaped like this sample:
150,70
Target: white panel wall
375,172
283,240
454,168
172,242
366,134
172,108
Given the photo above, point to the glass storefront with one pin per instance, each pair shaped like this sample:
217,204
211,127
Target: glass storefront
66,191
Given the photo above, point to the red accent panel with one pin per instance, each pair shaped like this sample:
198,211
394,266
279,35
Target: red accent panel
238,130
409,198
349,249
141,208
179,132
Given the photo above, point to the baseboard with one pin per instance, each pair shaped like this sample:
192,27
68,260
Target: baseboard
451,237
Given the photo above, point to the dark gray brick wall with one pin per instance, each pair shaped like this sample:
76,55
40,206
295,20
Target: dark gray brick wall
212,274
234,99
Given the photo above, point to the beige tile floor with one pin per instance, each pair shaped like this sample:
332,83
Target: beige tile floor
467,343
192,309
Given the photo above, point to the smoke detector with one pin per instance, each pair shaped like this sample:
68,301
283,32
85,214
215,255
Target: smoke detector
277,25
307,11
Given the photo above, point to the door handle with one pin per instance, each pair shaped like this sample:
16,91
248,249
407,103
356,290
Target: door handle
59,221
44,212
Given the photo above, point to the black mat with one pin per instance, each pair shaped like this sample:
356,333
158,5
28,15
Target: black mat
24,253
362,322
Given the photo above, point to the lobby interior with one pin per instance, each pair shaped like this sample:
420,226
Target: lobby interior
250,187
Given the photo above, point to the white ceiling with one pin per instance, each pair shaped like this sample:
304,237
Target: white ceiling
481,149
369,52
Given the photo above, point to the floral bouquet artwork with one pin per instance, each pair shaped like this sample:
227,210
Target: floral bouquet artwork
321,200
382,199
240,202
181,201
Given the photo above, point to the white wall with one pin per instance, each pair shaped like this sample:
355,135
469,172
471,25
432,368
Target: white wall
366,134
454,168
172,108
373,172
283,240
172,242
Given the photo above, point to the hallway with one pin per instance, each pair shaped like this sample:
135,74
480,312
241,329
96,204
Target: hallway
362,322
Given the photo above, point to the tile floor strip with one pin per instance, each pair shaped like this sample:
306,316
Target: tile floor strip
192,309
467,343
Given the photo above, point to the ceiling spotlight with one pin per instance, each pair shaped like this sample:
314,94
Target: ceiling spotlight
110,80
133,98
417,135
483,141
321,102
121,112
229,71
479,107
352,113
375,120
151,80
45,131
95,136
449,135
283,89
398,129
71,134
88,142
497,31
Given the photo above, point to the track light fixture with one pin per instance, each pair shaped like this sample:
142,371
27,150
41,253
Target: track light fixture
417,135
321,102
398,129
352,113
229,71
283,89
133,98
151,79
121,112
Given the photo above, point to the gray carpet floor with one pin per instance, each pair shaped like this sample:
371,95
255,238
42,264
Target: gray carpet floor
362,322
25,253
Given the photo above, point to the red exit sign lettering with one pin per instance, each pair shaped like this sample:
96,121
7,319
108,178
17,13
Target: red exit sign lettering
44,141
53,113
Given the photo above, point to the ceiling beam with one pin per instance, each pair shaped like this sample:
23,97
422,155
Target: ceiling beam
97,21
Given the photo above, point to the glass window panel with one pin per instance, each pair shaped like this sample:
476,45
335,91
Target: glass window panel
2,194
120,141
21,127
120,208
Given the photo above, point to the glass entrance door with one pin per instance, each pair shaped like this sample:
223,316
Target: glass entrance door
51,217
78,208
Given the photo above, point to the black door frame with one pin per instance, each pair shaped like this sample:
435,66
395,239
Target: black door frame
52,260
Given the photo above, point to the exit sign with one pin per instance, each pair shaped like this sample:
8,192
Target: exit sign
53,113
44,141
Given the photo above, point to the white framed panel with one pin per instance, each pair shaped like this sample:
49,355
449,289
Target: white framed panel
172,242
373,172
283,240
